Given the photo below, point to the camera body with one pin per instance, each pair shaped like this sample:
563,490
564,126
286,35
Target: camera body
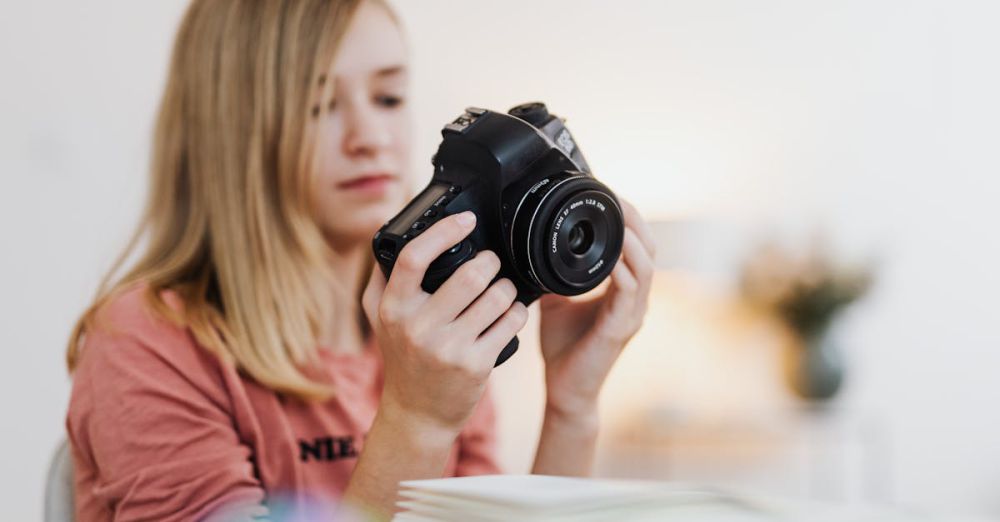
555,228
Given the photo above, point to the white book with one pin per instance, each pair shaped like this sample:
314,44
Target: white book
493,498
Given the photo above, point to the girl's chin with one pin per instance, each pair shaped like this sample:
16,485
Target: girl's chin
356,229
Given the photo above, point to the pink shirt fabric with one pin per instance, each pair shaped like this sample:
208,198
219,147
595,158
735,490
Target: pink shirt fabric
161,429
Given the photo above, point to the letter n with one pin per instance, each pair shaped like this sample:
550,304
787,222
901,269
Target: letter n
315,449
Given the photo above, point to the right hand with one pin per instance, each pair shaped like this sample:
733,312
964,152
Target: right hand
438,349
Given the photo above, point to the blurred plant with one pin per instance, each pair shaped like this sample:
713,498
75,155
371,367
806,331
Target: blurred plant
806,293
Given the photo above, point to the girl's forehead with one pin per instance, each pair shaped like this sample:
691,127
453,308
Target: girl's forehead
373,46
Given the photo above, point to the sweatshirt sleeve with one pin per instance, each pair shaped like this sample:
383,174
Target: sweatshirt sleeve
150,430
477,442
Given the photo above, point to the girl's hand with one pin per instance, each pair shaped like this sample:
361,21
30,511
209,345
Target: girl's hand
439,349
582,338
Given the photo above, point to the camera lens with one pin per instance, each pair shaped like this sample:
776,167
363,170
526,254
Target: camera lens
581,237
567,233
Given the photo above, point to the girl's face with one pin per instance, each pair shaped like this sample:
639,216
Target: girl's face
364,130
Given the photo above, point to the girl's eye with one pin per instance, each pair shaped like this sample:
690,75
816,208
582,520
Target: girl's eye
389,101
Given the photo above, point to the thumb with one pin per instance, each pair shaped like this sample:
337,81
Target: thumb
372,295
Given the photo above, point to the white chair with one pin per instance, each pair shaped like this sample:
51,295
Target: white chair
59,486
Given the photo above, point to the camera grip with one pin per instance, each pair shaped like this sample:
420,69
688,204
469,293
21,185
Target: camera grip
446,264
507,351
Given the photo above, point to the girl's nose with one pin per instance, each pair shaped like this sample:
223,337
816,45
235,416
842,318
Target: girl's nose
365,133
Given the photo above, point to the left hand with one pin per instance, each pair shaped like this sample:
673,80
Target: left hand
581,338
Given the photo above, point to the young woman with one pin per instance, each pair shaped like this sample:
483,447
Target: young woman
251,363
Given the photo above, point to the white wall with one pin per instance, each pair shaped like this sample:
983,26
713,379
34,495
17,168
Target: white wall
875,119
80,81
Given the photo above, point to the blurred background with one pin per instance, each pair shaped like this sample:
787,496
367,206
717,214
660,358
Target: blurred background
821,177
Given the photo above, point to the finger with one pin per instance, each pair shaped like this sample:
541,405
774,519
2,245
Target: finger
625,298
487,308
417,255
622,279
373,293
462,288
637,260
631,282
635,221
620,300
496,337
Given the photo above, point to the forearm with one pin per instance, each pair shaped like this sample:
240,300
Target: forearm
567,442
396,448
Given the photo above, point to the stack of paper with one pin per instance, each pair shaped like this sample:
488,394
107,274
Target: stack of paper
490,498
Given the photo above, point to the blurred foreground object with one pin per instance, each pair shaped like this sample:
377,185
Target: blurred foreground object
551,498
806,293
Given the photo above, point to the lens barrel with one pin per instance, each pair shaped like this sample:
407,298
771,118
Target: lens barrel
567,233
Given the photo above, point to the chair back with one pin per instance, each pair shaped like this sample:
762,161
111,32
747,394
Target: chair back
59,486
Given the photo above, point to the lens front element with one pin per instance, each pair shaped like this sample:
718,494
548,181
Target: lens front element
581,237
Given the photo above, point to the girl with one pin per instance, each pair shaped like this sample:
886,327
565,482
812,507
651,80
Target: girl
251,363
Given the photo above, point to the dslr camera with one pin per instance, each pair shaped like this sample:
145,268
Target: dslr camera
553,225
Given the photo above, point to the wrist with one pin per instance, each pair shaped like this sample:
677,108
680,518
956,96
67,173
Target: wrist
569,401
568,441
399,446
425,432
580,414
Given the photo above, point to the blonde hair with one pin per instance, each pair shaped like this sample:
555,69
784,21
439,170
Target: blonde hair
228,223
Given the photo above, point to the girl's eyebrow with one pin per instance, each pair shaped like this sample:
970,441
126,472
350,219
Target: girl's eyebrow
390,71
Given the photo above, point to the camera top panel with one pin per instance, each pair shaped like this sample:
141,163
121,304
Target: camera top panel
463,122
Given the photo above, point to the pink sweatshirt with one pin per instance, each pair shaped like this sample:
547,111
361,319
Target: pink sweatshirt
162,430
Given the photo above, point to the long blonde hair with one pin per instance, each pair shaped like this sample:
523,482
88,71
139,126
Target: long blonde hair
228,224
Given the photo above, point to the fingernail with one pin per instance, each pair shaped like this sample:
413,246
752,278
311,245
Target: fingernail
466,218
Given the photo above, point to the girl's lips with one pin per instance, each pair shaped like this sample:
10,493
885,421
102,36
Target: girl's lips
367,184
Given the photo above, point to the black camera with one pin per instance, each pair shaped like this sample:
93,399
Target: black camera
554,227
